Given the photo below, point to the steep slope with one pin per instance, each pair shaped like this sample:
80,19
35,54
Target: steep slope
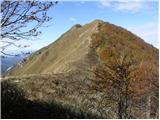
70,47
64,71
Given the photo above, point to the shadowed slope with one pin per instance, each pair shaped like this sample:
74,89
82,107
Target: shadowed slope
16,106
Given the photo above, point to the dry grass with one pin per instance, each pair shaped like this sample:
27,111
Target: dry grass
16,105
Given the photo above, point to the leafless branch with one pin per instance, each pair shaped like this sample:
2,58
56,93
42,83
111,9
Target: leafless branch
22,19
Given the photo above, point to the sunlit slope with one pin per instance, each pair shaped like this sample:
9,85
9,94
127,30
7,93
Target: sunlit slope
71,46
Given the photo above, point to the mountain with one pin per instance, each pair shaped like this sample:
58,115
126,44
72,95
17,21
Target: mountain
79,46
8,62
64,71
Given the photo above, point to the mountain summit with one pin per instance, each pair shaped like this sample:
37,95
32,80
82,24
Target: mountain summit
84,47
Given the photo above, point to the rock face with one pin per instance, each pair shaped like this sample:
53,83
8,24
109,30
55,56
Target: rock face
81,49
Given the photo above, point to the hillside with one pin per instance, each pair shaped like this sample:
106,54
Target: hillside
57,57
64,71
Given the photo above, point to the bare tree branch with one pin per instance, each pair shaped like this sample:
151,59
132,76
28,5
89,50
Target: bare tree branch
17,18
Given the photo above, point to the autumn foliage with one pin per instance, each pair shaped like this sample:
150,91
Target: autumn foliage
128,85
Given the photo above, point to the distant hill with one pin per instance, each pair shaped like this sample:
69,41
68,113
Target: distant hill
8,62
63,70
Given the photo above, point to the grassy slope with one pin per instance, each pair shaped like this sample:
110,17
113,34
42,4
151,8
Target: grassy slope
70,47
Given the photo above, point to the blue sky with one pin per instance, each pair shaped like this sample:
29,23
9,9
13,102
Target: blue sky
140,17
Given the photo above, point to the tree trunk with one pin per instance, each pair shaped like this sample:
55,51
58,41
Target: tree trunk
148,107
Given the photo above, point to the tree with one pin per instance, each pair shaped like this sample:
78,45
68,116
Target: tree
149,88
129,86
22,20
115,78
